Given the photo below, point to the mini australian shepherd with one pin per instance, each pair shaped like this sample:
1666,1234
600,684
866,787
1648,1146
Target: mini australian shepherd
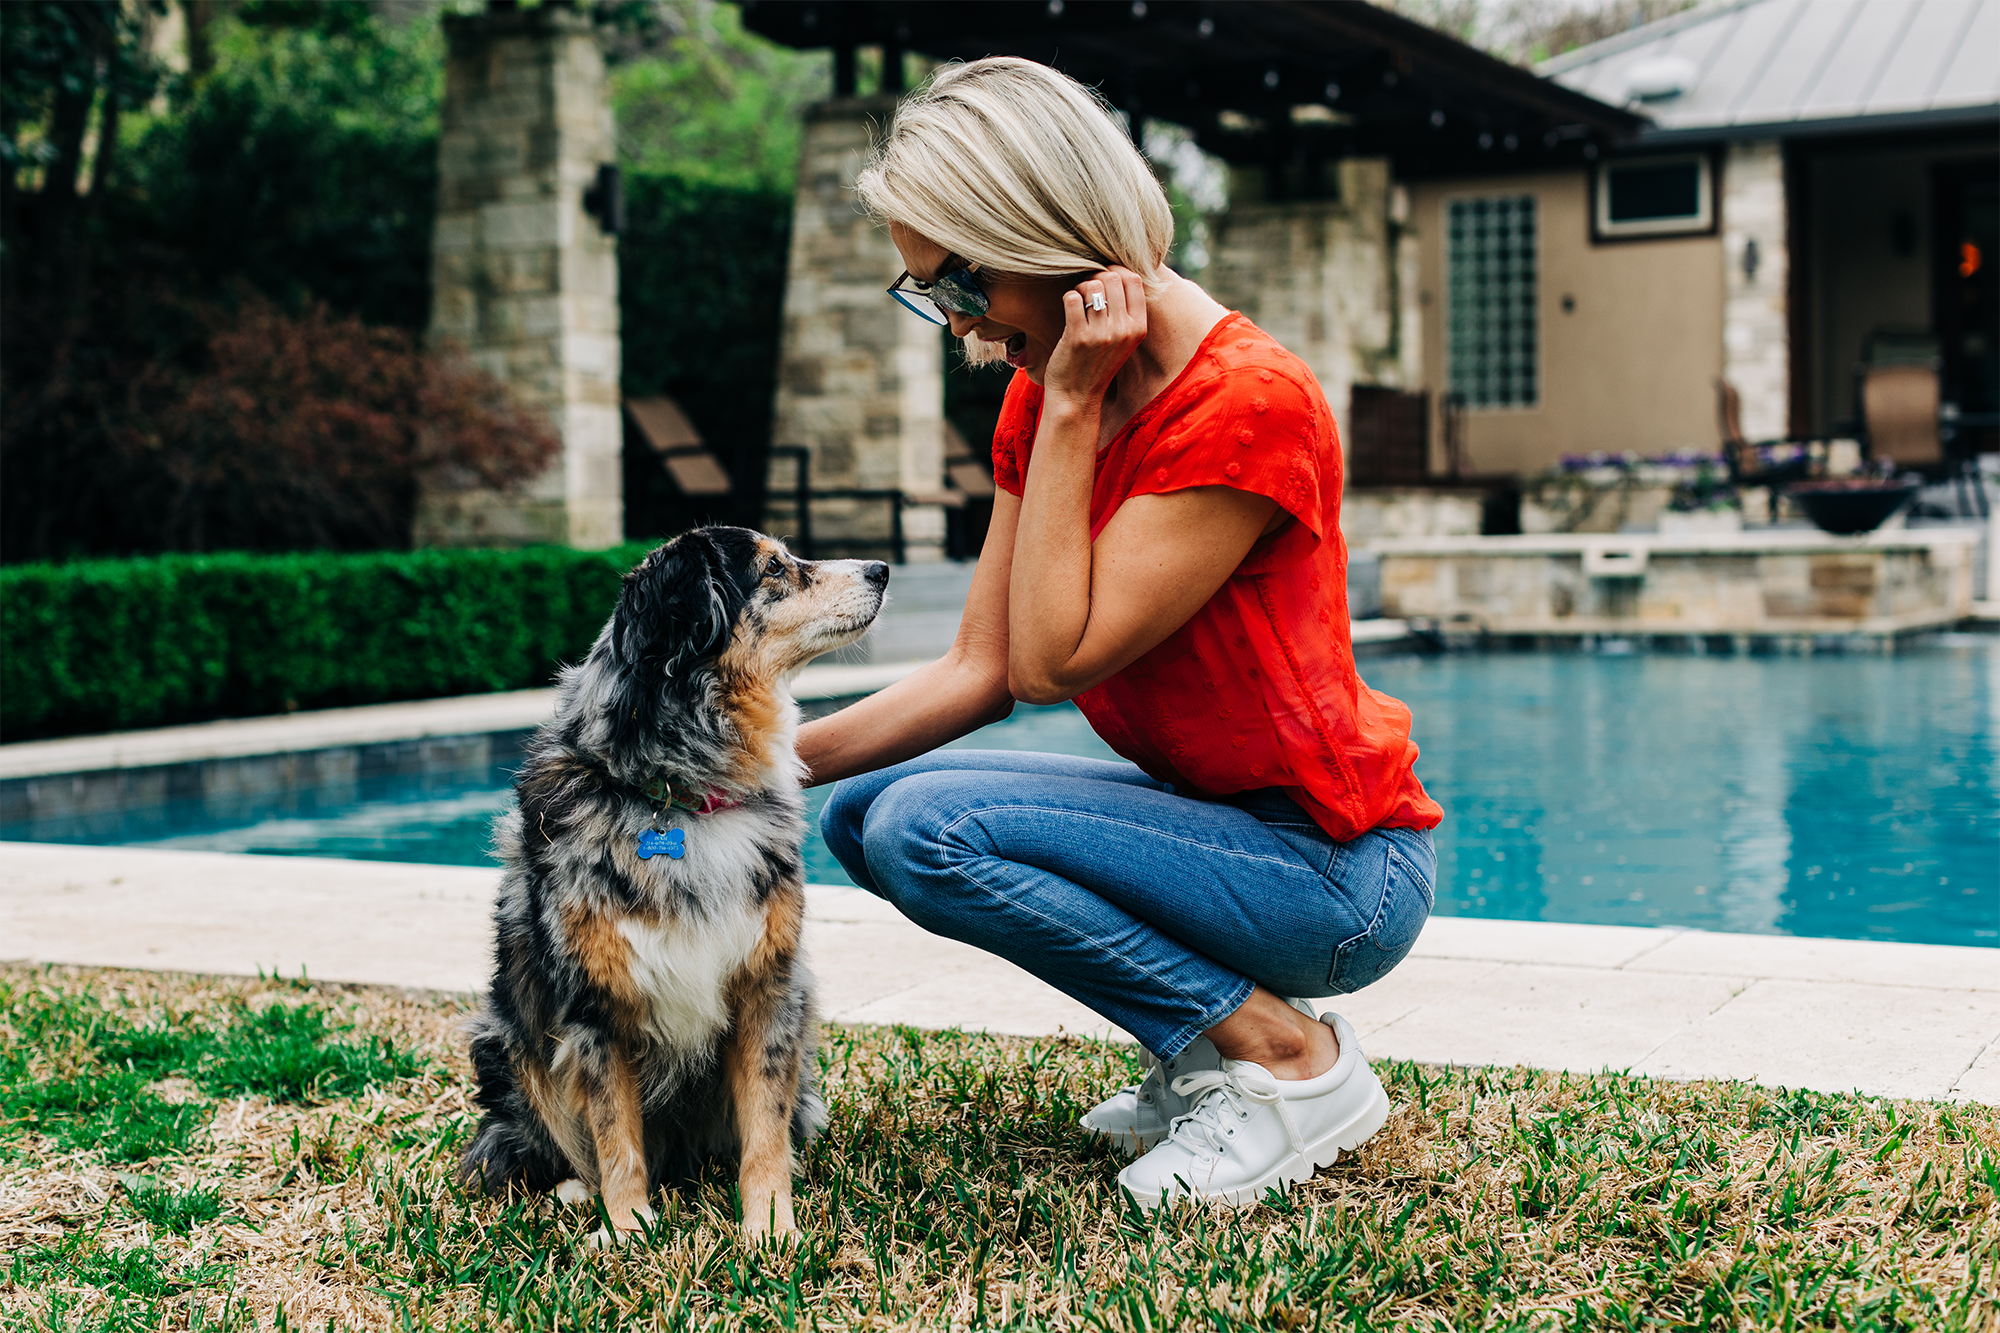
649,1011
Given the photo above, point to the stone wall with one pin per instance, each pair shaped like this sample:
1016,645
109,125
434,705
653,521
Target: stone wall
1331,280
1386,512
1756,334
860,379
1778,584
523,279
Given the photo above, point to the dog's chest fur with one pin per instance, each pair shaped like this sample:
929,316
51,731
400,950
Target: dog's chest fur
710,922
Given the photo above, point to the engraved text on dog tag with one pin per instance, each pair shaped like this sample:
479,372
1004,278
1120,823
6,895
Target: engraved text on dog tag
652,842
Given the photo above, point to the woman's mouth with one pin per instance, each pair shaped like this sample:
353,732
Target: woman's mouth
1017,350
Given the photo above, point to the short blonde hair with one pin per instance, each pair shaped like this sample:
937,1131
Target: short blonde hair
1021,170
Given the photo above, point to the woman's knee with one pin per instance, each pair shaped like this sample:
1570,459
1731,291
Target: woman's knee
913,840
841,821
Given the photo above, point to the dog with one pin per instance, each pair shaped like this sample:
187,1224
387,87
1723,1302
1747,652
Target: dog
649,1012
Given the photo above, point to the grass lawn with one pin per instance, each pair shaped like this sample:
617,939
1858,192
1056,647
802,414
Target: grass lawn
205,1153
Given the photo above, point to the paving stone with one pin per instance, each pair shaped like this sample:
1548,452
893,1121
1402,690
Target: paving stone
997,997
860,963
1872,962
1416,983
1895,1041
1981,1081
1548,942
1554,1018
377,922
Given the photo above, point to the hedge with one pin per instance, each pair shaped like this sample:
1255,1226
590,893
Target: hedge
101,645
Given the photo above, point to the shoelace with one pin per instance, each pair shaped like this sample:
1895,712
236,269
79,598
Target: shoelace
1219,1092
1156,1072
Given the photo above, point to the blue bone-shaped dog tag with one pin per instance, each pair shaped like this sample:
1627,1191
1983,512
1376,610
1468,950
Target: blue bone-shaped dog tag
652,842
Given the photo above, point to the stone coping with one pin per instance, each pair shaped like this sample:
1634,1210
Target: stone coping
462,715
417,719
1779,541
1902,1020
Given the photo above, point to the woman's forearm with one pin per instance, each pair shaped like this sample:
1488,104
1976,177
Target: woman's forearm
1048,609
934,704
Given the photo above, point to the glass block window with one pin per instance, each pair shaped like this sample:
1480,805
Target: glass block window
1490,261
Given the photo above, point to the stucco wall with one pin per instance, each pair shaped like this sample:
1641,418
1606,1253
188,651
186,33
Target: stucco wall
1631,366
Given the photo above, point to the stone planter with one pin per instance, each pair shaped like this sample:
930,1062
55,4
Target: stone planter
1674,524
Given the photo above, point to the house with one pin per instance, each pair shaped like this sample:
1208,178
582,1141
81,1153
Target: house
1815,188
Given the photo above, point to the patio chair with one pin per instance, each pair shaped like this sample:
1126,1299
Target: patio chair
1773,464
695,469
1899,413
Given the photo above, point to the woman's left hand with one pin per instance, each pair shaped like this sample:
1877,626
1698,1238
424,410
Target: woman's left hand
1096,343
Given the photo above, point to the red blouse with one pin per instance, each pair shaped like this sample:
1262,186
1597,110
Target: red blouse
1259,688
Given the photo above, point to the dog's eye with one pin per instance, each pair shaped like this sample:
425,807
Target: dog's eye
774,570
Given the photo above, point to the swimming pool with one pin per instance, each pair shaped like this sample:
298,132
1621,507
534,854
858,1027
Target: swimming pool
1843,796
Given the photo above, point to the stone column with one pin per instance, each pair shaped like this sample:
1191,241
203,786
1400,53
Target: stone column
1331,279
860,379
524,281
1756,335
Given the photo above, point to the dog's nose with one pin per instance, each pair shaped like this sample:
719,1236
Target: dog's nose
876,573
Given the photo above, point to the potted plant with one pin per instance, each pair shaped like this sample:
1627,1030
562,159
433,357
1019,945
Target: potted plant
1705,502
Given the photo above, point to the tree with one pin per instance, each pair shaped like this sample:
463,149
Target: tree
702,99
1528,32
71,67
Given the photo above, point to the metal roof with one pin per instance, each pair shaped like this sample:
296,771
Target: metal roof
1788,67
1276,79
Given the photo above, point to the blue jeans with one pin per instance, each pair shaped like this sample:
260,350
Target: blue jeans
1154,909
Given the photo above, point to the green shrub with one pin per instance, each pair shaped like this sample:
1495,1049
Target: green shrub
102,645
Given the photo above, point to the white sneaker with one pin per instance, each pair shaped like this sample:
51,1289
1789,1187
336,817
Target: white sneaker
1248,1132
1138,1115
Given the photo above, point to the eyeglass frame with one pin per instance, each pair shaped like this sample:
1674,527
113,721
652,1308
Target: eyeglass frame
954,282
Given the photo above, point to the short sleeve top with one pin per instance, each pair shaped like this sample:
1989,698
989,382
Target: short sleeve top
1259,688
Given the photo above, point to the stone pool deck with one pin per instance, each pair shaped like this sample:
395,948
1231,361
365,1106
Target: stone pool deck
1892,1019
1904,1020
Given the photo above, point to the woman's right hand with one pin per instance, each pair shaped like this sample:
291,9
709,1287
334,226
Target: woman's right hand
1096,344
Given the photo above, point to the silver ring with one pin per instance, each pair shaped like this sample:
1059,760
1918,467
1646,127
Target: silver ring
1097,300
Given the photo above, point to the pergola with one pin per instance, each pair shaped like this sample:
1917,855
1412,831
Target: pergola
1288,84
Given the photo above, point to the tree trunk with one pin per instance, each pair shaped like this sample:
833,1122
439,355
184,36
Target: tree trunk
58,194
9,235
200,51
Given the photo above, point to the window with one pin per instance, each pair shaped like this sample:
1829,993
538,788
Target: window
1490,261
1654,196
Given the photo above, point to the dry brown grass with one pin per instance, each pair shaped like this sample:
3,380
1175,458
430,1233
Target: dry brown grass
952,1189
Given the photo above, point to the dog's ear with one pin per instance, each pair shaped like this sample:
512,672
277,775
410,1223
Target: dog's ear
679,606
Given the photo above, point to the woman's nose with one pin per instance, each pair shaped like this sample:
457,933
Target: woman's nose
961,325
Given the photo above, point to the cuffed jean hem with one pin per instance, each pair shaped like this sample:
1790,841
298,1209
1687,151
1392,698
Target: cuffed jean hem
1158,911
1222,1009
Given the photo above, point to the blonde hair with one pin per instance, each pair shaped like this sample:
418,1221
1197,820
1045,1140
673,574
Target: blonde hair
1021,170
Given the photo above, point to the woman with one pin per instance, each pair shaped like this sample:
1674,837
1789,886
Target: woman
1166,553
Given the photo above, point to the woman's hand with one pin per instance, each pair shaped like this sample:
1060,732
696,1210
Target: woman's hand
1096,343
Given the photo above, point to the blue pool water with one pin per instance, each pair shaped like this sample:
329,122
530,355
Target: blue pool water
1842,796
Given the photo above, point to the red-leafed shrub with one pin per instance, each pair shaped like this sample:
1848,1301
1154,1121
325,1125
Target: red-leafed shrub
201,426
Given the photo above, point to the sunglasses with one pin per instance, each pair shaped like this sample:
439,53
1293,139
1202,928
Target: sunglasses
953,292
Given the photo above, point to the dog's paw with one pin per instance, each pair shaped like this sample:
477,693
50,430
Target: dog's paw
773,1224
628,1231
573,1191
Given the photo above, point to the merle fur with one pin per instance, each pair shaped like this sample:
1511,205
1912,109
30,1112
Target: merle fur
643,703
